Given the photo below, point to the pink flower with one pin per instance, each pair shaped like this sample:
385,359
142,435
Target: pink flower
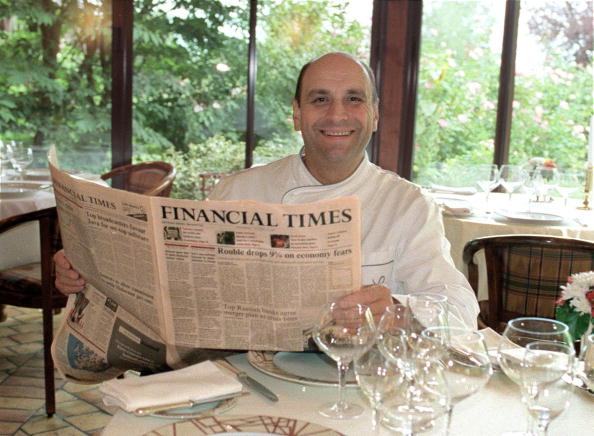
563,105
442,123
462,118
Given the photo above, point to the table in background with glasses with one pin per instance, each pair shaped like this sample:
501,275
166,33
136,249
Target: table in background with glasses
463,227
494,409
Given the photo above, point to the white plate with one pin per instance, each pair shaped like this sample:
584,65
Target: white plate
530,217
40,174
243,425
18,189
315,369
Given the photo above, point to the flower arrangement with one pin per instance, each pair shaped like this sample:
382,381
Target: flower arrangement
576,305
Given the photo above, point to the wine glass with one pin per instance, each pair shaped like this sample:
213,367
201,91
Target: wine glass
378,375
487,177
420,401
520,332
20,158
511,178
344,334
543,372
587,359
5,155
463,353
567,183
425,310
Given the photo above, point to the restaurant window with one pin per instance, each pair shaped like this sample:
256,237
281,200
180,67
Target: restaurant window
458,85
289,34
553,83
459,79
190,67
55,80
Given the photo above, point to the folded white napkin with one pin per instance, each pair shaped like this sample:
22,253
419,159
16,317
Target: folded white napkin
463,190
197,382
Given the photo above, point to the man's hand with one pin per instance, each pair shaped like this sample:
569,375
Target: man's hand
68,280
377,297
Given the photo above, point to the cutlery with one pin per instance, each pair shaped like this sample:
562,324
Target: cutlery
248,381
145,411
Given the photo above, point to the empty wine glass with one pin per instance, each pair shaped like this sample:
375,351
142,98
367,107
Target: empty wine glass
543,372
20,158
344,334
518,334
378,375
512,178
568,182
419,403
5,155
463,353
587,360
425,310
487,177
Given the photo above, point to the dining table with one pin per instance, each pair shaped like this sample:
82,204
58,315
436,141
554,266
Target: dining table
32,192
494,409
469,216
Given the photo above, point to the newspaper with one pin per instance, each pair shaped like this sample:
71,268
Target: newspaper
169,278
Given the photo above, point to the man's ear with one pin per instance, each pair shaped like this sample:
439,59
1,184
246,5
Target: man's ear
375,115
296,115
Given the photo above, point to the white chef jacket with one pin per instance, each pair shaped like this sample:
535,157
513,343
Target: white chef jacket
403,244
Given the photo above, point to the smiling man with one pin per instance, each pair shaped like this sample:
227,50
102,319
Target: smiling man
403,245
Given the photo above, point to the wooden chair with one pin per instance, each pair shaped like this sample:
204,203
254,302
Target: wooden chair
525,273
32,285
149,178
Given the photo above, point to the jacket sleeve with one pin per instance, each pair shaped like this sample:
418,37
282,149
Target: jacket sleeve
423,261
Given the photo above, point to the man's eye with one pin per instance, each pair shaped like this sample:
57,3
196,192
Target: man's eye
320,99
355,99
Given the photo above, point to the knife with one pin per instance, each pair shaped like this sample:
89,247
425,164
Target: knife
248,382
144,411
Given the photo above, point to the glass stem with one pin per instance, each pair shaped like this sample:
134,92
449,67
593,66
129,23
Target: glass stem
375,419
342,369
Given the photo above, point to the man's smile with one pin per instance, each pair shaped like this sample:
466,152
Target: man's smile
337,133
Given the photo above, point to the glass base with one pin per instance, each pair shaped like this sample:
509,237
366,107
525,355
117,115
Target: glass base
340,411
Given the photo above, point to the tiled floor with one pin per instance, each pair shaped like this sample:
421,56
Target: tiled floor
79,409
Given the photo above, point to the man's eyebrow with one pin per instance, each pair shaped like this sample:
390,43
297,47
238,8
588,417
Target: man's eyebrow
350,91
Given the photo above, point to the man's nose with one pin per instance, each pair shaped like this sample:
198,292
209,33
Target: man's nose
337,111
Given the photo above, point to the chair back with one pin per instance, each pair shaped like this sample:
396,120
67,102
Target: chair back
208,181
149,178
33,285
525,273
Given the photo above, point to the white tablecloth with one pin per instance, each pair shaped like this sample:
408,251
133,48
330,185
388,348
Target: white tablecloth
494,409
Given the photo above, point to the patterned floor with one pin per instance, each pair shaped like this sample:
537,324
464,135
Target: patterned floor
79,407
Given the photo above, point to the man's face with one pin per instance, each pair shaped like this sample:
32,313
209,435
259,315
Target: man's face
336,116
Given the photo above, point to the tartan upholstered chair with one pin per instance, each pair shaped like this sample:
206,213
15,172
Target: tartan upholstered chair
525,272
32,285
149,178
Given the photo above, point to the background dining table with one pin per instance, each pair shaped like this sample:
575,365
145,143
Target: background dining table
494,409
468,219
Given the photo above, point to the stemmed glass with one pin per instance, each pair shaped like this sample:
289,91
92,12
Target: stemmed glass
20,158
463,353
487,177
5,155
587,359
543,372
344,334
518,334
567,183
512,178
378,374
425,310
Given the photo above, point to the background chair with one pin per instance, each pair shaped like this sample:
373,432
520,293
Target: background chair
208,181
150,178
525,272
32,285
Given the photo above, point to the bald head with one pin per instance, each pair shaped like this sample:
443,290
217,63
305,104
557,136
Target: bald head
332,56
